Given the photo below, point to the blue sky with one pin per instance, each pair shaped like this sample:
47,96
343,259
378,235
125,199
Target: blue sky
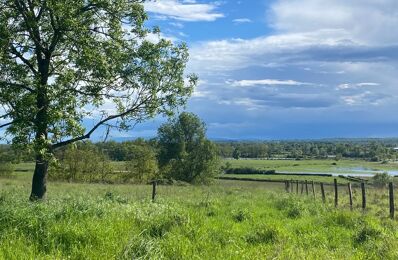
287,69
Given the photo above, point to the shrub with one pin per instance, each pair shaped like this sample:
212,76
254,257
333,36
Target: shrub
247,170
85,164
6,168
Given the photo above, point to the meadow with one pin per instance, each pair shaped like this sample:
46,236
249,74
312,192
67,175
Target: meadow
315,165
226,220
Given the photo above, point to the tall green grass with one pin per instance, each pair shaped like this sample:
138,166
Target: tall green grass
227,220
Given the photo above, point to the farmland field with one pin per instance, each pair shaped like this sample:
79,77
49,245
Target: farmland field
321,166
226,220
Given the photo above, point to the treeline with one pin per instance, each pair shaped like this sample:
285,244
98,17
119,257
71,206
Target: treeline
180,152
373,150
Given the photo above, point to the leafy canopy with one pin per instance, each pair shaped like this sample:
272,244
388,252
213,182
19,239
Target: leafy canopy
61,61
184,151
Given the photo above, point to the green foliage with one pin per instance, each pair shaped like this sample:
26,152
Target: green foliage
381,179
369,149
143,165
247,170
236,154
6,168
82,163
61,61
184,152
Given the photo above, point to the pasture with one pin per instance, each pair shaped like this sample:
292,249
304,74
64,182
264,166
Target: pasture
321,166
226,220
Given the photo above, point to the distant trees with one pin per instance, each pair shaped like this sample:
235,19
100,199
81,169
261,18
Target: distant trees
372,150
184,151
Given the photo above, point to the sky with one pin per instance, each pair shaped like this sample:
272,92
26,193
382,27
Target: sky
286,69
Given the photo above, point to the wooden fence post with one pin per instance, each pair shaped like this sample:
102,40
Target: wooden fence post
313,188
306,187
287,186
392,208
323,193
291,186
302,187
363,196
297,187
350,194
153,191
336,194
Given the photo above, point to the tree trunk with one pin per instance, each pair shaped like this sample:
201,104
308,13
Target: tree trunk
39,182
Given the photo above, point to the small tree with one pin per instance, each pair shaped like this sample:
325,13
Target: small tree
184,152
236,153
61,60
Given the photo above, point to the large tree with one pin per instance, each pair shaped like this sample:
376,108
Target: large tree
62,60
184,151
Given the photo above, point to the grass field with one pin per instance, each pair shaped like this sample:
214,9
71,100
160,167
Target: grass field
321,166
227,220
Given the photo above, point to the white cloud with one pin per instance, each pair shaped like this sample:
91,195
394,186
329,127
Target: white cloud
367,21
156,37
189,11
273,82
242,20
231,54
355,86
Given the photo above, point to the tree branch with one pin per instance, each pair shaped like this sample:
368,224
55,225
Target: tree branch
7,124
89,133
14,51
3,83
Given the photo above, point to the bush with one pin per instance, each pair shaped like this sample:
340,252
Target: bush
85,164
6,168
381,179
247,170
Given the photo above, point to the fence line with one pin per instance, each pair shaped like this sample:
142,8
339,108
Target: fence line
289,186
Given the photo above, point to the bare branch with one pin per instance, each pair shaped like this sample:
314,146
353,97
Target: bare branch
7,124
4,116
100,123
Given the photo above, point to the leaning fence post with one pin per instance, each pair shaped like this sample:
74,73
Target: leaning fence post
323,193
350,194
306,187
392,208
153,190
363,196
297,186
336,194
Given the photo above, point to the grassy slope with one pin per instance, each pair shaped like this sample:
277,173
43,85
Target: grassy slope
229,220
